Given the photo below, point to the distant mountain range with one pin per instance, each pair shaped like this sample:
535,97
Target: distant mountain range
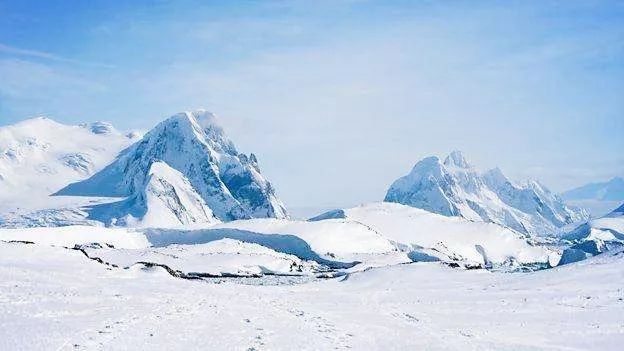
611,190
454,188
599,198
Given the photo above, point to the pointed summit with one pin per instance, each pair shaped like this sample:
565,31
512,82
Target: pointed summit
193,144
456,159
456,189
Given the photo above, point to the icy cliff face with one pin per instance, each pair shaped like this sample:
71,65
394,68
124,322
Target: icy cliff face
193,144
455,188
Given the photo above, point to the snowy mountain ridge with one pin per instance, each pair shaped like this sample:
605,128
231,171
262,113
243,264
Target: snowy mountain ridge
455,188
195,146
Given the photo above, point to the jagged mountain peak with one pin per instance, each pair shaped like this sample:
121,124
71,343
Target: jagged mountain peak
194,144
456,159
455,188
200,124
496,176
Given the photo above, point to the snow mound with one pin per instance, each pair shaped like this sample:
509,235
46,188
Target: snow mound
455,188
447,237
330,239
225,257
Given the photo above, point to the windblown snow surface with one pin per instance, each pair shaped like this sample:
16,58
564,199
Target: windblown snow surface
56,298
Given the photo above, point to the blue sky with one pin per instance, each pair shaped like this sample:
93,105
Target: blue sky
338,98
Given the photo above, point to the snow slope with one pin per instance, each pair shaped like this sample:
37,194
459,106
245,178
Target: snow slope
192,143
454,237
455,188
39,156
225,257
373,235
124,248
595,237
56,299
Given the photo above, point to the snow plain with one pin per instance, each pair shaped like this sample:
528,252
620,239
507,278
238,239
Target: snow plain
52,298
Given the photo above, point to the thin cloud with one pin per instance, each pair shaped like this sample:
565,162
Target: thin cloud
48,56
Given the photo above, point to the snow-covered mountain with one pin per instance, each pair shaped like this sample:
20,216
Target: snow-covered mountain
39,156
600,198
455,188
194,149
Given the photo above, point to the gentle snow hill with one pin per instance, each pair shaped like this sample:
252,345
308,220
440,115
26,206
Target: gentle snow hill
39,156
595,237
331,239
455,188
454,237
77,235
600,198
192,143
